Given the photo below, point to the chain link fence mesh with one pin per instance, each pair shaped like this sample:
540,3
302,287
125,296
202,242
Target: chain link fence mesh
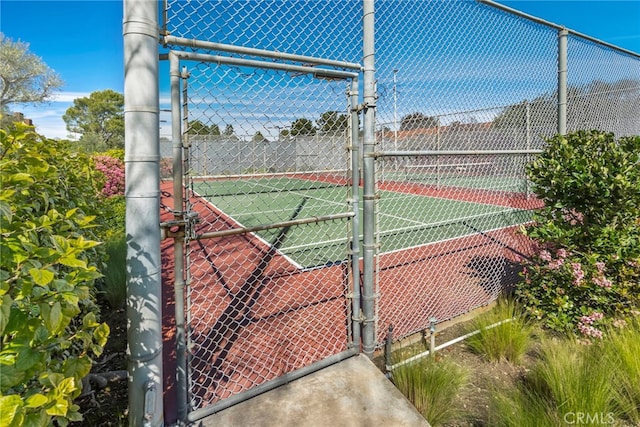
455,80
456,76
603,88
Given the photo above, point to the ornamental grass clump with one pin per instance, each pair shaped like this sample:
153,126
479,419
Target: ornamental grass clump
571,383
622,351
586,268
432,385
504,333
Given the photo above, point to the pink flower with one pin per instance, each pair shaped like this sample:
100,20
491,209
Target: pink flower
545,255
600,266
562,253
113,170
602,281
578,274
589,331
555,265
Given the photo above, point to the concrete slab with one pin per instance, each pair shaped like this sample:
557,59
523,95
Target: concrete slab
351,393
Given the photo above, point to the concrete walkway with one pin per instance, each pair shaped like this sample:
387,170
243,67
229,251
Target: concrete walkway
351,393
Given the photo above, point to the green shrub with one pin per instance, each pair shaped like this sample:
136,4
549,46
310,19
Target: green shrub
48,265
113,217
431,386
114,283
504,333
588,263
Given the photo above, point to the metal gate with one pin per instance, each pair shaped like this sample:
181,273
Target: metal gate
266,224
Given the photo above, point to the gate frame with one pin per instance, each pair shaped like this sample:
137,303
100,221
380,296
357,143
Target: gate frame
184,220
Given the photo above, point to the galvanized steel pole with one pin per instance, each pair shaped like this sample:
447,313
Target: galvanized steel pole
142,192
368,240
562,81
178,243
355,221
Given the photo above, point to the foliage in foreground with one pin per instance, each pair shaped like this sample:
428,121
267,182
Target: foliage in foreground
504,333
431,385
48,265
574,383
587,268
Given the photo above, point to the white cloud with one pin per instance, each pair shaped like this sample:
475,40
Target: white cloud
68,96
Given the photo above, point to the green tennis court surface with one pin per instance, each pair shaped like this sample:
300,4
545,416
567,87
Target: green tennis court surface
506,183
404,220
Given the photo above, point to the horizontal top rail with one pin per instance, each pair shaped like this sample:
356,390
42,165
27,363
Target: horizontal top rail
180,41
316,72
433,153
556,26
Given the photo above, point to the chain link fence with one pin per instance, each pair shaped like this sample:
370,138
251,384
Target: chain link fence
457,80
270,151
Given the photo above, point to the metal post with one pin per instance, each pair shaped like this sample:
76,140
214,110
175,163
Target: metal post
368,240
562,81
142,192
395,109
178,243
355,221
528,147
438,157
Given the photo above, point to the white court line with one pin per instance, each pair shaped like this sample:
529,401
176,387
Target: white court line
256,236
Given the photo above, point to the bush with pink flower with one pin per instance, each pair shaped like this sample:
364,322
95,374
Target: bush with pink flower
113,170
586,270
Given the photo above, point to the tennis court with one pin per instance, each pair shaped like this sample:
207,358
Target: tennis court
405,220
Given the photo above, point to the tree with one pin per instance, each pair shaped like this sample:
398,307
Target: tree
418,121
101,114
611,106
332,122
228,130
259,137
302,127
24,77
196,127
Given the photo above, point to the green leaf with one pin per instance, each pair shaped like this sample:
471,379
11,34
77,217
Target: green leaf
67,386
5,311
51,379
5,212
70,213
59,408
36,419
77,368
36,400
10,410
72,261
89,321
41,276
28,358
20,177
10,376
101,334
52,315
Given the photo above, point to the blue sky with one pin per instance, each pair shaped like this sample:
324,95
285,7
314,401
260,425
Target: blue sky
82,40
